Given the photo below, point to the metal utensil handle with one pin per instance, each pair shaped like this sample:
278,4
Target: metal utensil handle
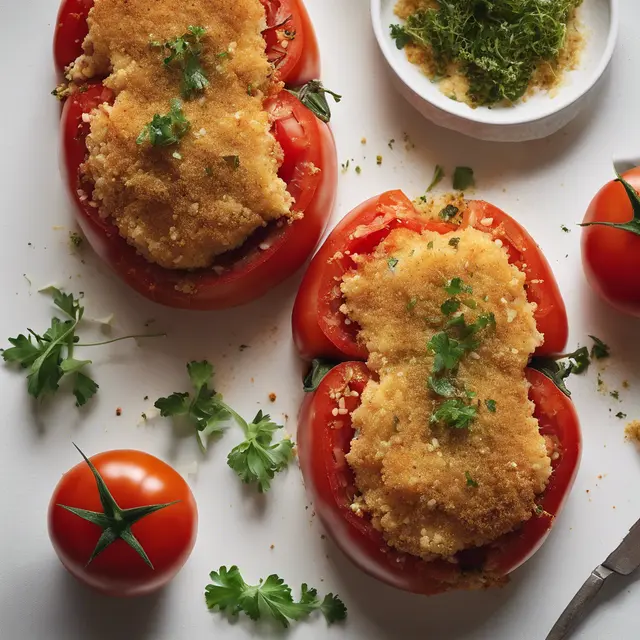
577,608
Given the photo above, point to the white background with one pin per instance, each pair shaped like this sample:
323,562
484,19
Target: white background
544,184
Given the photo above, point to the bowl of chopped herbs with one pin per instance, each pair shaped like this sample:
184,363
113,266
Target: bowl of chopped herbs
501,70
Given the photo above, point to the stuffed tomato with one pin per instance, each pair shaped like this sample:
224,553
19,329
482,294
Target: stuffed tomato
197,171
436,458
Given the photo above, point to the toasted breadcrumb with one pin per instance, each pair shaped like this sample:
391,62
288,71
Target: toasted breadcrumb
632,431
182,210
414,475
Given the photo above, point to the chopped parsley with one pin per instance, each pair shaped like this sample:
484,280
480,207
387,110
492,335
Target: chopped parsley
270,598
378,160
456,286
615,395
599,350
165,130
491,405
232,161
463,178
358,170
455,413
448,212
75,239
319,369
184,53
392,263
497,45
565,228
470,481
454,242
450,306
411,304
621,415
438,174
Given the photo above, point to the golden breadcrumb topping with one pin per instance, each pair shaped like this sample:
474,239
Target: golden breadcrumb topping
632,430
183,204
433,489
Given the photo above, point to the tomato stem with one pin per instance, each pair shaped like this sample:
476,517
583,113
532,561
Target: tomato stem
632,225
115,522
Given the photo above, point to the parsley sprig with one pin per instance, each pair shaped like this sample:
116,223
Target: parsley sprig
49,357
257,458
271,598
165,130
184,53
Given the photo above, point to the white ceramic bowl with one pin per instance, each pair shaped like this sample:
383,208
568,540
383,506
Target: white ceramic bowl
537,117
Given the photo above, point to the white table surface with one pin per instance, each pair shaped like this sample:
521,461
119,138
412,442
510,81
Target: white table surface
544,184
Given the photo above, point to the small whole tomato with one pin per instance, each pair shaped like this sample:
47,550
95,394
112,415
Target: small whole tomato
611,243
123,522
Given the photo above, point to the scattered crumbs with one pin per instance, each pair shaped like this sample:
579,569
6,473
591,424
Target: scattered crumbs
118,411
345,166
149,322
565,228
143,415
614,506
615,394
378,160
408,144
251,380
146,398
272,397
625,384
620,415
322,536
75,239
389,144
273,546
600,382
632,431
363,140
242,347
358,170
587,491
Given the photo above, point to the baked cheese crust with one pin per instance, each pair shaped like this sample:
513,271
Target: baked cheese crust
431,489
182,210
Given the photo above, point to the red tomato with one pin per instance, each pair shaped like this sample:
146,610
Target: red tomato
268,257
296,62
325,439
319,328
611,257
135,479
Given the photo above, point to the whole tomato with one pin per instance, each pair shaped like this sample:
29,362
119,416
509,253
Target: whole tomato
123,522
611,243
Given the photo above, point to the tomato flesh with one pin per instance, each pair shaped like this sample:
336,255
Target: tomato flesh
324,440
135,479
611,257
320,328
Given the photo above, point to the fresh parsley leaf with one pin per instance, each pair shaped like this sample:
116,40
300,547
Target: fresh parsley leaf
257,459
401,37
166,130
447,351
463,178
411,304
491,405
579,359
49,357
184,53
470,481
454,242
455,413
456,286
441,386
599,350
448,212
450,306
438,172
392,263
204,408
319,369
314,96
270,598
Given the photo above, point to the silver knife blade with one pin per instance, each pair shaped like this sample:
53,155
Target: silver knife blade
626,558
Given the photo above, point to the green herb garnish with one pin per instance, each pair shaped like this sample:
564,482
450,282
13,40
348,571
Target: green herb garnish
456,286
450,306
438,174
463,178
470,481
184,52
455,413
392,263
50,357
491,405
599,350
448,212
441,386
411,304
166,130
621,415
314,96
270,598
319,369
454,242
498,45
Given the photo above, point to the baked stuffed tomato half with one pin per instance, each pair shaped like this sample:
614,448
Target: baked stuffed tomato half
202,170
437,458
